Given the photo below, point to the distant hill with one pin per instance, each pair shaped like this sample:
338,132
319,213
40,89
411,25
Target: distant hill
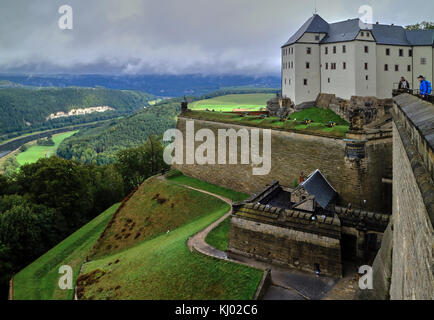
159,85
9,84
26,110
99,145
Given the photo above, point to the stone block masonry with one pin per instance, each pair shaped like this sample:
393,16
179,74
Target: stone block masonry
413,201
355,178
404,267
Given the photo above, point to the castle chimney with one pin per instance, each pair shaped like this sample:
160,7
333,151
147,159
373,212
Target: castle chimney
377,22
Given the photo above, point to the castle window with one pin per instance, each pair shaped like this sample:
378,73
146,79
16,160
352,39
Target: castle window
292,64
363,34
285,80
386,67
316,38
396,67
410,53
326,50
334,49
327,65
344,65
366,66
367,34
344,49
387,52
292,50
409,68
328,80
367,77
401,52
307,65
305,82
422,60
366,49
333,66
308,50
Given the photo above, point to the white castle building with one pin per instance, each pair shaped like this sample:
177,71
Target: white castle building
344,59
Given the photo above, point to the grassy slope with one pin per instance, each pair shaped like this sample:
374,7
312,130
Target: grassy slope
320,117
252,101
162,267
155,208
218,238
39,280
34,153
177,177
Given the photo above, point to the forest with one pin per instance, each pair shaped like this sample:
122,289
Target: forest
99,145
24,110
43,203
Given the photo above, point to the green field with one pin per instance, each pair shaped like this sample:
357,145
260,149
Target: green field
162,266
35,152
39,280
177,177
250,101
218,237
319,116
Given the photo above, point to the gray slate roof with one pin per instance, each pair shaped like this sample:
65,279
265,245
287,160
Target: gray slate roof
317,185
315,24
349,29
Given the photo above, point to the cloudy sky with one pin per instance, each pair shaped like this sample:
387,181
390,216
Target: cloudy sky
170,36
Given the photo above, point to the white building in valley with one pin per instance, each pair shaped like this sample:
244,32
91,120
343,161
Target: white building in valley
344,59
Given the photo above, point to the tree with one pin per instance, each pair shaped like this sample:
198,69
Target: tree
424,25
60,184
26,231
3,185
137,164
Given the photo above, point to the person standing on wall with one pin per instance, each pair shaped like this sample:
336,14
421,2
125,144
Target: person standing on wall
425,87
403,84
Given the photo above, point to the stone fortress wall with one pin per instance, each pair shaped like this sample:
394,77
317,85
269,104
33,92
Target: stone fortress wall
355,168
404,267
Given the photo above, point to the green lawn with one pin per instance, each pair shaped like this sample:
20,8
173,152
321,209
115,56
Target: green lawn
250,101
34,153
319,116
164,268
39,280
218,237
177,177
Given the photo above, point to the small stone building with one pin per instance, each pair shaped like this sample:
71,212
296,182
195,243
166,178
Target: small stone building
302,228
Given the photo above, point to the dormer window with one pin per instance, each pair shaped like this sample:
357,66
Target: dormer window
316,38
363,34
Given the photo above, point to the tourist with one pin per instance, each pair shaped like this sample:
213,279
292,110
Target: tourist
403,84
425,86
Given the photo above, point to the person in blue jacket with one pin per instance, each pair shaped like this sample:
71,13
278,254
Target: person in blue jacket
425,86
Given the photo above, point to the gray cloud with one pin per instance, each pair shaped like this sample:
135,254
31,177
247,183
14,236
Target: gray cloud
170,36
